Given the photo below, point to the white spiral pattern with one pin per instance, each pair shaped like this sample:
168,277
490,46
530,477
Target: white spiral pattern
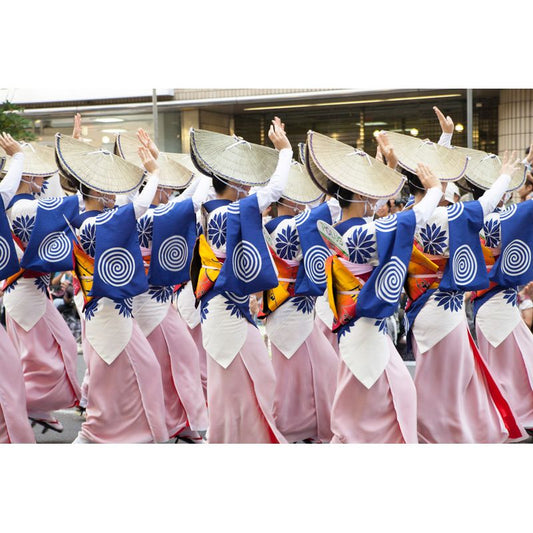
508,213
4,253
389,282
455,211
247,261
315,263
464,265
387,224
302,217
54,247
236,298
163,209
103,217
516,258
173,253
234,208
49,203
116,267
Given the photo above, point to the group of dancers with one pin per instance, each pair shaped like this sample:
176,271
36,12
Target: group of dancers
177,257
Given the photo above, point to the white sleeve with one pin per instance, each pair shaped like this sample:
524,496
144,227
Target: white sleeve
189,191
334,209
424,209
11,182
446,139
198,191
273,191
143,201
492,197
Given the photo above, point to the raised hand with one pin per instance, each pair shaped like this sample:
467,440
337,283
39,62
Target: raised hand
386,150
446,123
9,144
147,159
427,178
277,135
76,132
529,157
147,142
510,164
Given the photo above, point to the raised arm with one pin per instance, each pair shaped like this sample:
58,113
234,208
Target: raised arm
143,201
446,125
424,209
491,198
10,184
273,191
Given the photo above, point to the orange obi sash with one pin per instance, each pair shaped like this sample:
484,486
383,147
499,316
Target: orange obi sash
83,271
146,263
205,267
22,273
343,288
490,255
423,273
273,298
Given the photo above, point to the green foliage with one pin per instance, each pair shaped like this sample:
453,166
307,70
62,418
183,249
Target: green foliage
15,124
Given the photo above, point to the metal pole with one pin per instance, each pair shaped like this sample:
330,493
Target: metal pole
469,118
154,116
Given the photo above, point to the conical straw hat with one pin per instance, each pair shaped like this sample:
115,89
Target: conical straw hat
172,172
328,159
96,168
231,158
445,163
484,169
39,160
301,153
2,162
300,187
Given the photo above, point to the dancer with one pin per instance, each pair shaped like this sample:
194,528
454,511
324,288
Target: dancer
46,346
375,400
231,262
125,402
305,364
14,423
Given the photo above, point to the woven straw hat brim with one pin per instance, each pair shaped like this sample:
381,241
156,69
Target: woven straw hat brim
231,158
328,159
445,163
300,187
39,161
301,152
96,168
172,173
484,169
2,162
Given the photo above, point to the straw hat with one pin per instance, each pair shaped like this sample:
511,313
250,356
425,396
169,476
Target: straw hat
484,168
231,158
445,163
96,168
300,187
2,162
38,160
172,172
301,152
328,159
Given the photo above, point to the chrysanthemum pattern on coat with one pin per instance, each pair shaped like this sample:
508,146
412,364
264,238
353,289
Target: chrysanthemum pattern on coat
510,296
382,325
42,283
491,229
361,245
234,308
216,229
125,307
145,227
287,242
10,287
23,226
204,311
433,239
91,308
88,239
304,304
450,300
160,294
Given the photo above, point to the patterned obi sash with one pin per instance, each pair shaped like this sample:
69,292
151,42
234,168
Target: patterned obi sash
490,255
273,298
205,267
343,287
83,272
22,273
423,273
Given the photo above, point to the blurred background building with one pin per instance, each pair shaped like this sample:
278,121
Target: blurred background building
492,120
